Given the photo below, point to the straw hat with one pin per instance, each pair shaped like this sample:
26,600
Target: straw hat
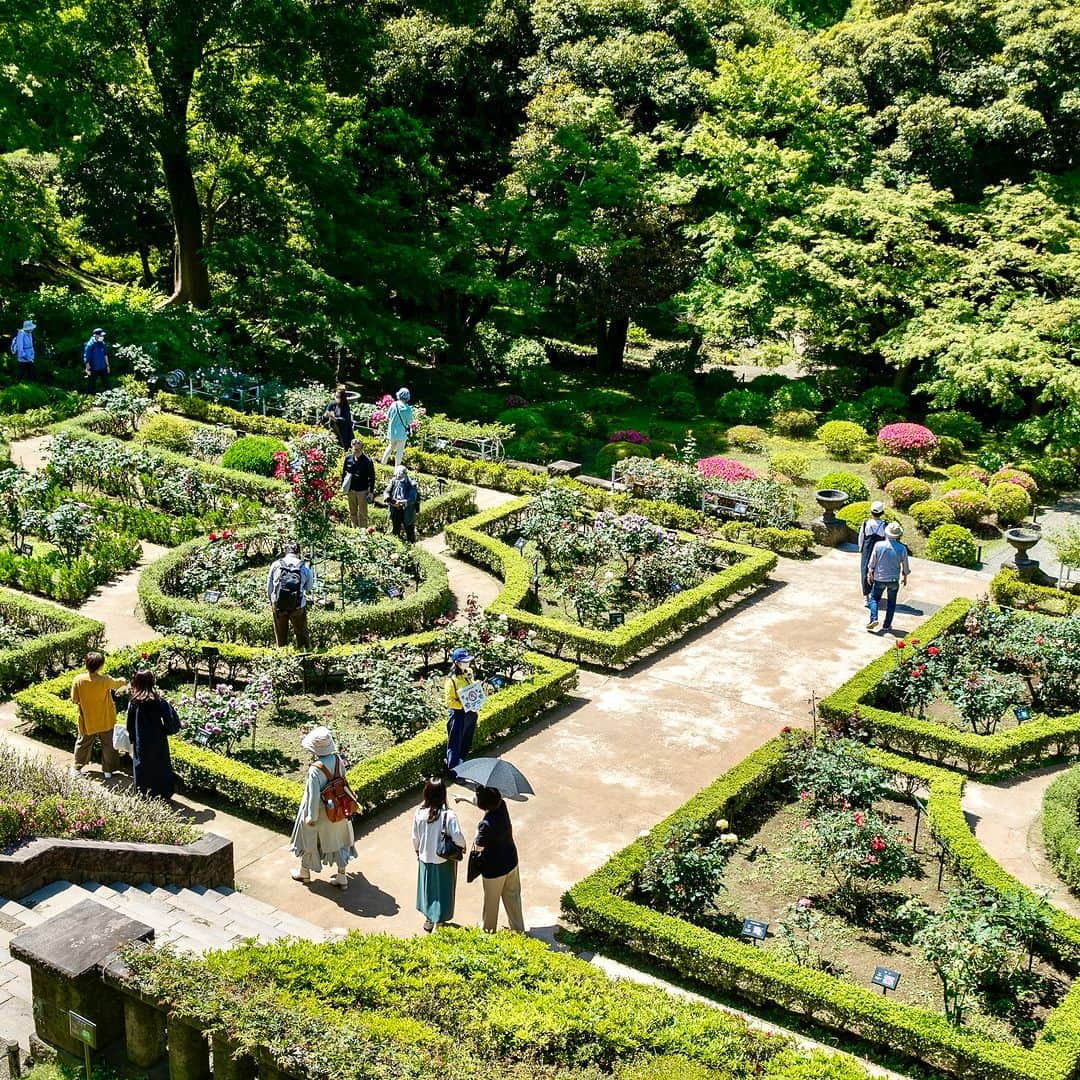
319,742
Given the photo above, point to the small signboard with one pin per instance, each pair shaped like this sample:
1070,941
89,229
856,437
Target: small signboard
497,681
26,549
1022,713
441,444
886,978
740,508
755,930
519,543
675,587
616,618
211,596
394,592
82,1029
211,652
472,697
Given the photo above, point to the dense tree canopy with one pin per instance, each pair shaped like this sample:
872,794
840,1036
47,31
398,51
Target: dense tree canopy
890,188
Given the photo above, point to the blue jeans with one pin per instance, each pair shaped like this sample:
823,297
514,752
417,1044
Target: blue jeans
890,589
460,728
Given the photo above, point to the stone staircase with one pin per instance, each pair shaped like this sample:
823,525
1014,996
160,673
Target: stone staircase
193,920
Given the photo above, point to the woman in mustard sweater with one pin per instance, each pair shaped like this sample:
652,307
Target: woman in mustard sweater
460,723
92,692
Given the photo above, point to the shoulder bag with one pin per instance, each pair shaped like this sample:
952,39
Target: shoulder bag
447,847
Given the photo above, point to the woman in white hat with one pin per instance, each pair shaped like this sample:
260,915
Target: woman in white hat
871,531
317,840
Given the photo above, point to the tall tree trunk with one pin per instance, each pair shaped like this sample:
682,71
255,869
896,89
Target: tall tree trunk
144,258
192,285
611,343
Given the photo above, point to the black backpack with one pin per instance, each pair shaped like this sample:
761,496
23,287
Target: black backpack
290,588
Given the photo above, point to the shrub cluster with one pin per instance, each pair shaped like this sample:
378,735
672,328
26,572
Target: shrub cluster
930,513
253,454
883,468
968,507
845,440
905,490
794,422
746,437
952,544
1010,502
855,489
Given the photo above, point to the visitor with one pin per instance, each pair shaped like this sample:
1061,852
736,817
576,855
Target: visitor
22,348
317,840
460,722
358,482
92,692
340,417
150,721
887,570
870,532
399,418
96,360
498,858
287,585
436,876
403,501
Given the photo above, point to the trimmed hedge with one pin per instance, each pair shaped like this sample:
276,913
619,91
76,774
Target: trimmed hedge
61,639
619,645
601,905
387,618
375,781
1039,737
1061,826
1007,589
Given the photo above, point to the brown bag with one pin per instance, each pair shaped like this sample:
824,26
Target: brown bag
338,800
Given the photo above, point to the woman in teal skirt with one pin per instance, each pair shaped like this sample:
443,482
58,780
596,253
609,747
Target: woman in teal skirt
436,877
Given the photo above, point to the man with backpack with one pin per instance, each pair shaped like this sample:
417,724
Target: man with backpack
287,586
96,360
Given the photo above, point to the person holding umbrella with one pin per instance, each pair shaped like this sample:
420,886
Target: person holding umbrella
460,722
497,854
437,862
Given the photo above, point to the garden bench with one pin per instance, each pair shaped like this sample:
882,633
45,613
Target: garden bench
731,505
482,447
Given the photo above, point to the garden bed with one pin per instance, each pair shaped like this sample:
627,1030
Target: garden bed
751,796
1007,589
924,662
1061,827
40,639
680,603
375,779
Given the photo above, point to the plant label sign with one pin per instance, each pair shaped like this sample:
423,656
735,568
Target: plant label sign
754,929
886,978
472,697
82,1029
616,618
394,592
211,596
519,543
26,549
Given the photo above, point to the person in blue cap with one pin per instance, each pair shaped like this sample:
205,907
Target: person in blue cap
460,723
22,347
399,418
96,360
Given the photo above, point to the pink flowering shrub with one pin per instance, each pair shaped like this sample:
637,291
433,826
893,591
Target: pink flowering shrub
901,439
1009,475
630,436
721,468
514,401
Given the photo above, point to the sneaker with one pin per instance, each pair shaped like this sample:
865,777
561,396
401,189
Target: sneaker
428,926
106,775
886,628
872,625
340,880
300,875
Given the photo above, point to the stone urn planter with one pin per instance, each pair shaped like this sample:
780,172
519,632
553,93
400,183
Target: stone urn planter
1022,539
828,529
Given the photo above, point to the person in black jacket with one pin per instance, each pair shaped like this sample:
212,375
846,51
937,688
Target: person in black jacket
360,490
498,861
339,416
150,721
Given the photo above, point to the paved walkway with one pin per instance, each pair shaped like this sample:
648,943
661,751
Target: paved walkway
1006,819
1066,511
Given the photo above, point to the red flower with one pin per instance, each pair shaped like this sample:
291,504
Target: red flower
900,644
213,536
238,547
145,655
877,844
785,729
915,673
914,641
933,650
859,818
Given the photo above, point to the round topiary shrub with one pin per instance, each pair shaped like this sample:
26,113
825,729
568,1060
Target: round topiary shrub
790,463
253,454
611,452
524,420
947,451
678,405
664,385
795,396
1009,475
659,448
968,472
746,437
743,407
912,440
843,439
930,513
957,425
905,490
168,431
968,507
952,544
854,514
847,482
794,422
722,468
1011,504
883,469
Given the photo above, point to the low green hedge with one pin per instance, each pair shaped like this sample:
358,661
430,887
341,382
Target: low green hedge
375,781
621,644
1007,589
600,903
1055,736
1061,826
387,618
61,639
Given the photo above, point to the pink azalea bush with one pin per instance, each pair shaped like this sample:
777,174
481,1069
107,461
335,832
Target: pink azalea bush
901,439
721,468
1009,475
630,436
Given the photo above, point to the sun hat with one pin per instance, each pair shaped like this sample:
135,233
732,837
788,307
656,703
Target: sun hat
28,325
98,331
319,742
403,394
460,656
894,529
877,508
400,470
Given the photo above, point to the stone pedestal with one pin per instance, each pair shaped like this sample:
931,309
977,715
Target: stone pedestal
144,1033
829,531
189,1051
65,956
564,468
227,1067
